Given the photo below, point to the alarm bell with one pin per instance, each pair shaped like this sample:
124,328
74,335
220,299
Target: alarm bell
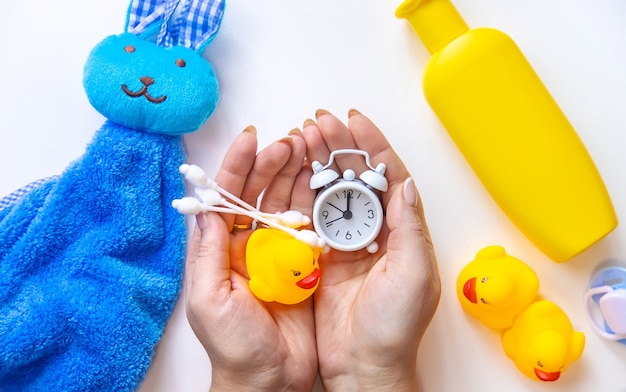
321,176
375,178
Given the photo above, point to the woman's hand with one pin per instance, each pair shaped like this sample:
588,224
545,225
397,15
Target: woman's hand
252,345
371,310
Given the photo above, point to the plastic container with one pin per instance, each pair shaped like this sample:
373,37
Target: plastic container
511,131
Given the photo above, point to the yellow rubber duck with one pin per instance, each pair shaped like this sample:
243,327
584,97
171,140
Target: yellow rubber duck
495,287
542,342
281,268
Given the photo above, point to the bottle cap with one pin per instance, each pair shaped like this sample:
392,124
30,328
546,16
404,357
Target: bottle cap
436,22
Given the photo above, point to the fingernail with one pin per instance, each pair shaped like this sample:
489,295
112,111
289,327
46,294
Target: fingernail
321,112
202,221
250,128
308,122
409,192
286,140
295,132
353,112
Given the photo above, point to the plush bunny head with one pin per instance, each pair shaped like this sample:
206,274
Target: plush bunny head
153,78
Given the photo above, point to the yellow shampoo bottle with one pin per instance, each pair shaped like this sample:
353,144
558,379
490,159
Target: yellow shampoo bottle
511,131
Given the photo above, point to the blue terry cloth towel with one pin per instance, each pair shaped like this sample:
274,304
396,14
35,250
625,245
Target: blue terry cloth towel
91,265
91,261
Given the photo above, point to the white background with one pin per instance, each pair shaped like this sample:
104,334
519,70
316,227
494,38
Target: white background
280,60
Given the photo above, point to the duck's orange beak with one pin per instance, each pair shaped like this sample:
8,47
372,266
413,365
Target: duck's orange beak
309,281
545,376
469,290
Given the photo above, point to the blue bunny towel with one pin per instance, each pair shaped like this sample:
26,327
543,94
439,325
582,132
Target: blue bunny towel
91,260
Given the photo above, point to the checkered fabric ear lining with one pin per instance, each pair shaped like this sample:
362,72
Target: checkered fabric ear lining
201,23
194,26
143,14
14,197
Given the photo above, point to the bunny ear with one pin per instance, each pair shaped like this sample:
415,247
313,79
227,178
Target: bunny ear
147,18
193,25
200,22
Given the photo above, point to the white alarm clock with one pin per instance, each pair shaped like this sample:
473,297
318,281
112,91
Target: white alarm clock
347,212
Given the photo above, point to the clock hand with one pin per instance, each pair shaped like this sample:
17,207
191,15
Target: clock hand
347,213
329,223
335,207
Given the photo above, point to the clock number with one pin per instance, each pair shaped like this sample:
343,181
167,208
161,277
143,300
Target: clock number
325,214
348,236
370,214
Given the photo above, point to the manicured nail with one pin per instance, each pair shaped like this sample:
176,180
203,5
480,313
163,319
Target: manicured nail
308,122
295,132
409,192
353,112
250,128
286,140
202,220
321,112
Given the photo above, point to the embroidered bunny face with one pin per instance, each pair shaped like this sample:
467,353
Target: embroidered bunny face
162,84
147,87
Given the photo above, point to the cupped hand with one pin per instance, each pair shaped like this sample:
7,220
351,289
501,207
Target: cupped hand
252,345
371,310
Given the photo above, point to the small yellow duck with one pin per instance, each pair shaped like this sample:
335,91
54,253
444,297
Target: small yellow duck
542,342
495,287
281,268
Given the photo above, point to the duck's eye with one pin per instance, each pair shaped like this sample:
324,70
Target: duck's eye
313,261
129,49
484,301
181,63
483,280
539,364
296,273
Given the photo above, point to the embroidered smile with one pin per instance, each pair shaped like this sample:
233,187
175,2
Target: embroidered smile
147,81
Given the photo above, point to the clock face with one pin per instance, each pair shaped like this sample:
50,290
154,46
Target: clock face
348,215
